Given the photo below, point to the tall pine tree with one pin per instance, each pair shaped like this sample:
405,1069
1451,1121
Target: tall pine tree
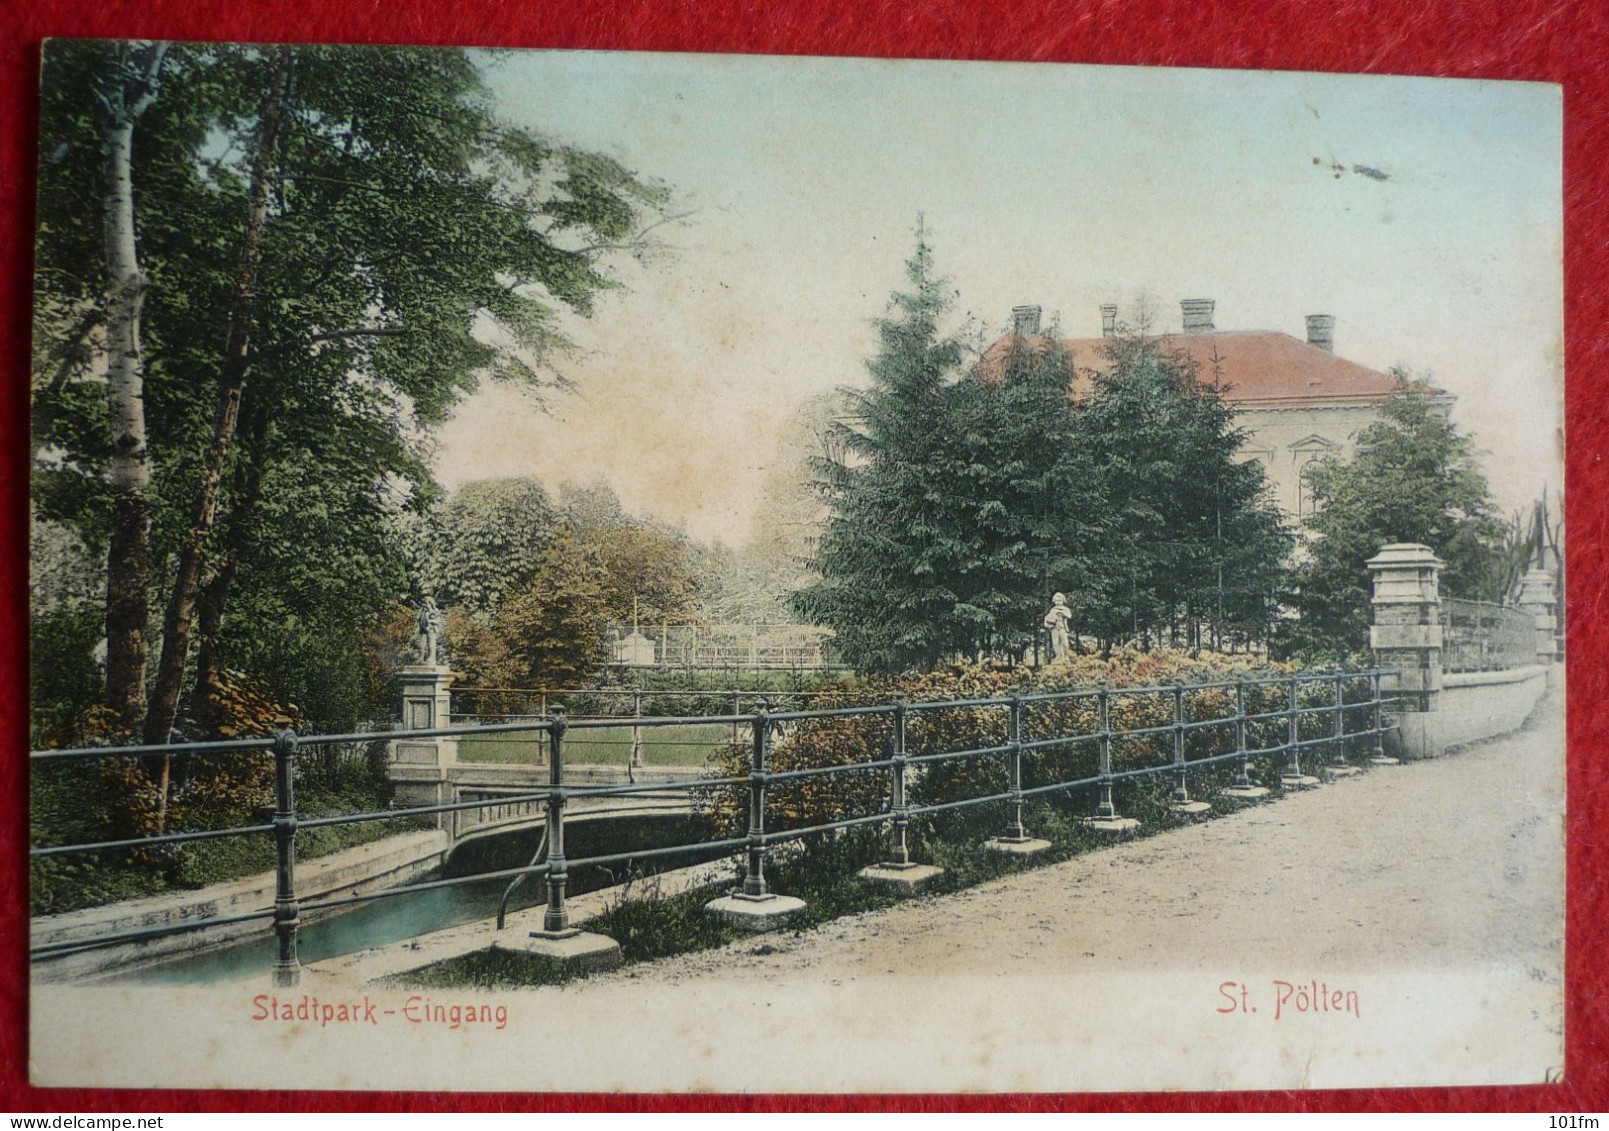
888,559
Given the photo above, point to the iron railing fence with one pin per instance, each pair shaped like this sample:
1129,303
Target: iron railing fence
1027,746
1480,637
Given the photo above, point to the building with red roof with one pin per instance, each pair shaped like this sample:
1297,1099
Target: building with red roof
1298,401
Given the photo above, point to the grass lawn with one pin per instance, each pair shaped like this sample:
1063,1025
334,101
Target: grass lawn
690,744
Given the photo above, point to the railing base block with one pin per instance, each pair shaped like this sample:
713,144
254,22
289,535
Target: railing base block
1111,824
573,948
1385,760
755,913
1014,846
1342,771
1189,806
901,877
1298,781
287,976
1246,791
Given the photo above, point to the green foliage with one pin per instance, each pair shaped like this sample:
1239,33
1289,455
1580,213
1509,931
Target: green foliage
818,743
487,541
1181,537
960,505
1414,479
553,629
415,245
887,556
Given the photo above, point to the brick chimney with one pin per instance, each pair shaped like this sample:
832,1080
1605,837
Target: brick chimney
1197,315
1025,321
1321,331
1108,319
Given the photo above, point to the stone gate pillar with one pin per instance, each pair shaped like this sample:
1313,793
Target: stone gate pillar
1405,633
1537,597
418,766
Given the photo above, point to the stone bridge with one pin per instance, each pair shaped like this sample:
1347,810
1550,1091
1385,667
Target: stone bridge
426,770
489,781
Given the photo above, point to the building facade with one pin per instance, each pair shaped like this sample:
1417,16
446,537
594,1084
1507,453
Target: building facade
1298,400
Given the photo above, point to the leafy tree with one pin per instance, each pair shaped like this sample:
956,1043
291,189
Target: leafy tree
643,567
1414,478
554,628
886,559
369,241
487,542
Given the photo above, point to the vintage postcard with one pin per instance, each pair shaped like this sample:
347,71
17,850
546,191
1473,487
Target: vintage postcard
564,571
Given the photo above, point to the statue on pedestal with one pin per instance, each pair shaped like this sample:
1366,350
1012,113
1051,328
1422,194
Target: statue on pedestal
429,642
1058,622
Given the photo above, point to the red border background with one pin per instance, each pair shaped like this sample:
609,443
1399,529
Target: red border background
1556,42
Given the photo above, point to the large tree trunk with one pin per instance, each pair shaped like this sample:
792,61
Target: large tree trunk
127,91
181,610
214,596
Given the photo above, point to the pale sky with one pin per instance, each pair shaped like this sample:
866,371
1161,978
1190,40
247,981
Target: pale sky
1057,185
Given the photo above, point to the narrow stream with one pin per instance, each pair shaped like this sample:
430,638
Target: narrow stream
392,920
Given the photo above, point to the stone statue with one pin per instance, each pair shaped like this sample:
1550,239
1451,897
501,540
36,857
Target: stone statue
1058,621
429,643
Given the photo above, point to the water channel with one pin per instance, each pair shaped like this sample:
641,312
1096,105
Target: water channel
392,920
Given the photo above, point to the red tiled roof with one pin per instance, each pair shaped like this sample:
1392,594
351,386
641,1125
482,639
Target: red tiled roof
1258,368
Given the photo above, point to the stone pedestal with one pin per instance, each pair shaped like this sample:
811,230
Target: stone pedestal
755,912
418,767
1016,846
572,948
1111,824
901,877
1405,634
1297,781
1187,806
1245,792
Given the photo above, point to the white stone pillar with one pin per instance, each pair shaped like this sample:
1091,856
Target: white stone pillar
1405,633
418,767
1538,597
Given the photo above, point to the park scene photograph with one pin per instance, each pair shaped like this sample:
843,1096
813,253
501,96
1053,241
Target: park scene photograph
567,571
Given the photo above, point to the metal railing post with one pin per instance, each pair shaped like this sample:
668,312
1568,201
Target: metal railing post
754,878
1105,809
1106,818
753,906
1179,801
1243,786
1181,787
1017,840
1244,781
287,914
556,919
1339,766
1377,755
1014,827
636,729
899,840
1293,776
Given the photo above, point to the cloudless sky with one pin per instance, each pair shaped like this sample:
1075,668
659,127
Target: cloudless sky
1058,185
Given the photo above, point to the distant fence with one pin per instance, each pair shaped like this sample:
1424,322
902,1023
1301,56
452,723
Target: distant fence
1482,637
722,647
1087,741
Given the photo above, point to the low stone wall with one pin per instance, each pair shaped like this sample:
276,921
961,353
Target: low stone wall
1477,705
352,871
